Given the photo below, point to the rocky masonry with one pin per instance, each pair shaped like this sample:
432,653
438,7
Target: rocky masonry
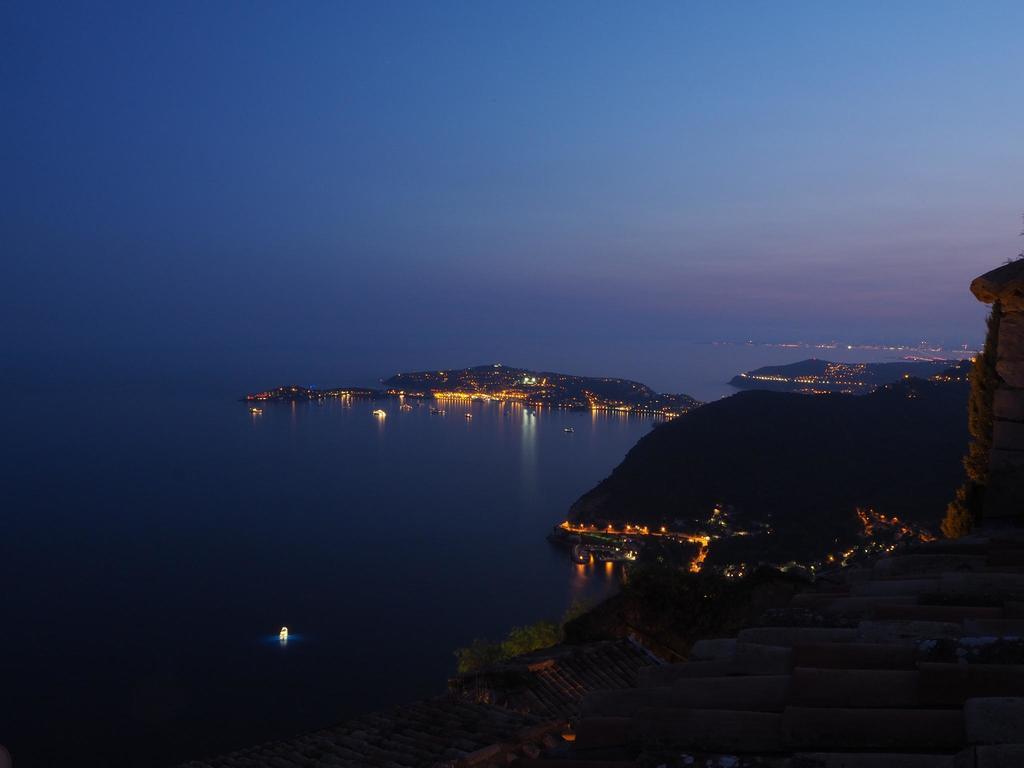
1004,286
916,661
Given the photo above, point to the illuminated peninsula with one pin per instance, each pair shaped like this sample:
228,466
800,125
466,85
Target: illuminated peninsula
500,382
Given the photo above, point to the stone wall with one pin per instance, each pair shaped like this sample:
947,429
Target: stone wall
1004,497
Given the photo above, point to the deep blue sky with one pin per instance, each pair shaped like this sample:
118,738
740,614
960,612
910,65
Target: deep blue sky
399,185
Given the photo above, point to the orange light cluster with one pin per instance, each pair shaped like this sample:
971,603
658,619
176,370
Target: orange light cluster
870,519
702,553
642,530
505,394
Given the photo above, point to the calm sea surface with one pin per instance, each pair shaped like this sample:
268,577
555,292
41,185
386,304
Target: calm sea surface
152,548
156,537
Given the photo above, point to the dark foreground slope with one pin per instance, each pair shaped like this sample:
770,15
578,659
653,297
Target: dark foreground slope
803,463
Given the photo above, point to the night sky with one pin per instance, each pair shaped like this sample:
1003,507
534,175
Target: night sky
564,185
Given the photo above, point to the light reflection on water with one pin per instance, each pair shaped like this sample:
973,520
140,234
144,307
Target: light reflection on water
275,639
585,576
528,442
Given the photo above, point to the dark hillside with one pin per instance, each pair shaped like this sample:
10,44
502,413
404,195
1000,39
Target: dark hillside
802,462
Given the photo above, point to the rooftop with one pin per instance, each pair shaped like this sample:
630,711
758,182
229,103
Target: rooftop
551,682
435,732
511,711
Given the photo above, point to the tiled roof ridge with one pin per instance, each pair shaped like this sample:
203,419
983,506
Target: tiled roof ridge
454,730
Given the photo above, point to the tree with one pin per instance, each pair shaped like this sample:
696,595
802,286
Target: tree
965,511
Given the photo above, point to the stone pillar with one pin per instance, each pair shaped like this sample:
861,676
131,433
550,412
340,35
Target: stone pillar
1004,496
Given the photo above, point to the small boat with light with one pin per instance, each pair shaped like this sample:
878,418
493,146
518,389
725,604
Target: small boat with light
380,413
569,429
468,415
283,634
256,411
405,407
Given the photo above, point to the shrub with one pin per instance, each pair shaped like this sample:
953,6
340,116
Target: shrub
477,655
533,637
964,512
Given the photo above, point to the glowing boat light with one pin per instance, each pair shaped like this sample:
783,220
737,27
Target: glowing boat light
283,634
